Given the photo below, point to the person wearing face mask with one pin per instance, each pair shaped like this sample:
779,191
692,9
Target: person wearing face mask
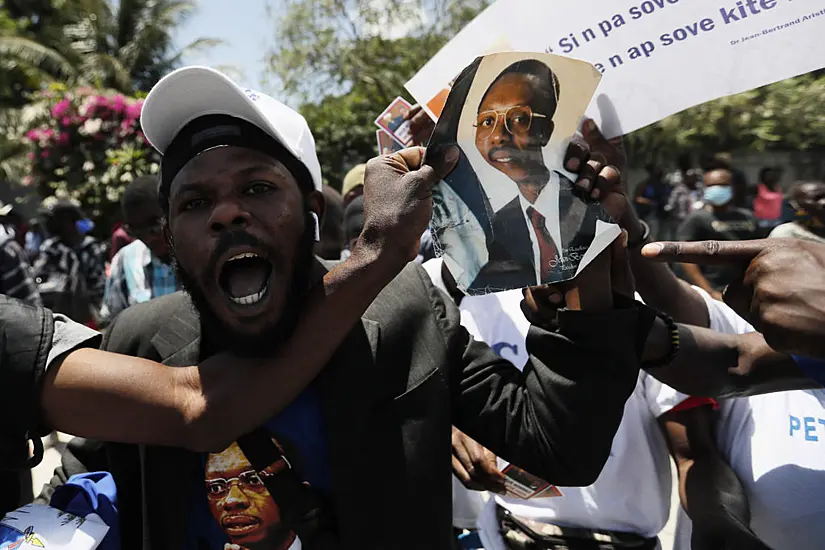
808,203
718,220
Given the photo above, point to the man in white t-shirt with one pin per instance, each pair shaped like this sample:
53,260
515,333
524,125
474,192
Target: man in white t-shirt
770,494
772,442
630,502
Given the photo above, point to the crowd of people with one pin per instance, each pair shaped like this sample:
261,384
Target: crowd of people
270,345
713,201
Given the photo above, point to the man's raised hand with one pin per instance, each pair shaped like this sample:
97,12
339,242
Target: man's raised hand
398,201
781,289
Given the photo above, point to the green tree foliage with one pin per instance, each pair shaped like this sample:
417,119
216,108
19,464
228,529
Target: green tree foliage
125,46
782,116
66,45
344,61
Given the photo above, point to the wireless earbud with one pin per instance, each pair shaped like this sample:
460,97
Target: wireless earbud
317,227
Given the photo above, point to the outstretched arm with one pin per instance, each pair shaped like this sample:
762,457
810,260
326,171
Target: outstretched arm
713,364
112,397
116,398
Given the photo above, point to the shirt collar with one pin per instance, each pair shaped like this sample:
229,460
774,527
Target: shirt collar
547,203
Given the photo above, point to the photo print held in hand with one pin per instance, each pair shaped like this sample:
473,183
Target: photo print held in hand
386,144
394,121
507,216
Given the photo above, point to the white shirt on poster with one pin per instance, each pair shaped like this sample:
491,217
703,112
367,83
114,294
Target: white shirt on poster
633,492
547,204
775,444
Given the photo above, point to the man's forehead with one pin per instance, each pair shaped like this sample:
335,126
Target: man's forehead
512,88
230,461
718,177
221,162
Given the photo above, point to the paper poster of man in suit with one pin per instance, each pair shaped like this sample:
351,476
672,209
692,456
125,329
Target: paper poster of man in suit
508,217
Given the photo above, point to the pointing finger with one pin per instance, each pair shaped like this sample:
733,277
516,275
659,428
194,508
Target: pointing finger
707,252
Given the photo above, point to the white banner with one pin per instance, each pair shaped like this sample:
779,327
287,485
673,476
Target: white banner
658,57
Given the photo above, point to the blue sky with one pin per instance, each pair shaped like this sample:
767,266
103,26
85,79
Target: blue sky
243,25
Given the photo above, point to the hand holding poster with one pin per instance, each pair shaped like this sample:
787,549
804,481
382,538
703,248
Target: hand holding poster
658,57
507,217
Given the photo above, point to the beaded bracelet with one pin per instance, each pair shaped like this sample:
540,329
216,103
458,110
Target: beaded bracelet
673,328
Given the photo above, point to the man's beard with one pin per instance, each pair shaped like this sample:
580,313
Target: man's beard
217,335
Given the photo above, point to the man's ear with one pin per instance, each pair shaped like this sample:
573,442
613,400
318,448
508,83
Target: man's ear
547,128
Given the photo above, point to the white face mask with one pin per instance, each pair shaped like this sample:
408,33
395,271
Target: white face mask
718,195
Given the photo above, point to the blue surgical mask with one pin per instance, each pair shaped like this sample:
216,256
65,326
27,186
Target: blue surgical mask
718,195
84,226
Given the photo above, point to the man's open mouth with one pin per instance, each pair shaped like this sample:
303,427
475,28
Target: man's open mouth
244,278
240,525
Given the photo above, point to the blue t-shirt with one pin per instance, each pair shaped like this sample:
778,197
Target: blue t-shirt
813,368
230,503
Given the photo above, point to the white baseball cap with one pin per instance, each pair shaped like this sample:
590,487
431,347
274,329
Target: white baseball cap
192,92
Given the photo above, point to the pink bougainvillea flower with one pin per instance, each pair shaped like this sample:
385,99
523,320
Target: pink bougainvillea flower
30,155
27,180
48,132
61,107
118,105
133,110
33,135
63,139
66,121
45,153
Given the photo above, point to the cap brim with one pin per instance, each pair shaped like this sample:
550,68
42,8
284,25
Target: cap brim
193,92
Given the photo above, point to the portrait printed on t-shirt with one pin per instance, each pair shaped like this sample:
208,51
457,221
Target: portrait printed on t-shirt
507,216
241,504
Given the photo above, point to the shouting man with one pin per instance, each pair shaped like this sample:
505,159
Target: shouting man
240,187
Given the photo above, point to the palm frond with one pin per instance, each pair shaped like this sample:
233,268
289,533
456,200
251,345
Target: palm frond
100,69
34,54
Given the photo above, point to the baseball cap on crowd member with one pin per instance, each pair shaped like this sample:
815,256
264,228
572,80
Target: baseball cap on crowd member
194,109
352,181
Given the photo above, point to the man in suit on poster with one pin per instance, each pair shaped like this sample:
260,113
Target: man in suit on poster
543,231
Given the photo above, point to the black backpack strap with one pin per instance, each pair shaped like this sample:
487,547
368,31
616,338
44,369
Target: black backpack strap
300,505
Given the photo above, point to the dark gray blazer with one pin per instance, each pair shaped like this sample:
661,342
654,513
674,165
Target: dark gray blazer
404,375
511,249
